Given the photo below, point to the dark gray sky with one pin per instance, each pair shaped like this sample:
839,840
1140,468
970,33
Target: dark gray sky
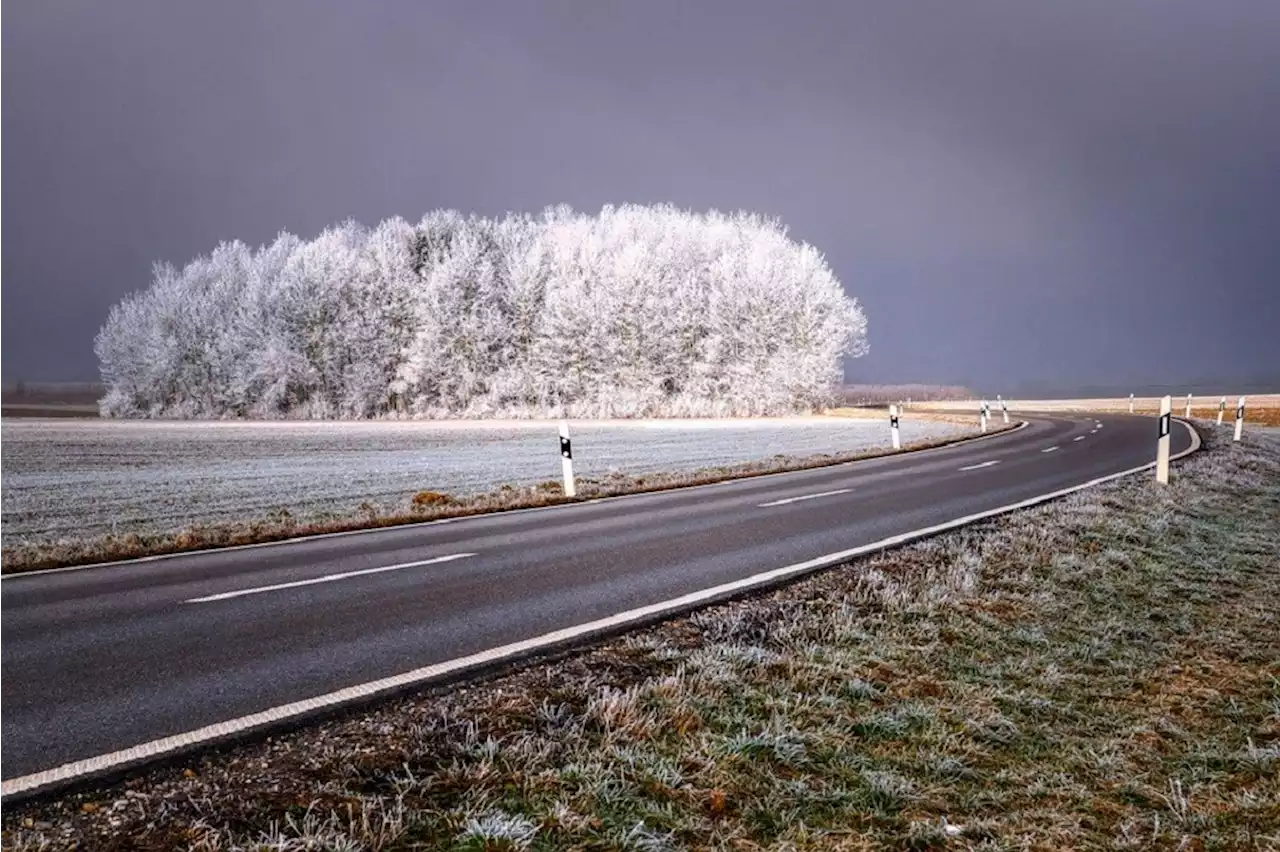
1067,192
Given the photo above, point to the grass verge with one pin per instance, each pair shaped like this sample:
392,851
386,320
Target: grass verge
423,506
1099,672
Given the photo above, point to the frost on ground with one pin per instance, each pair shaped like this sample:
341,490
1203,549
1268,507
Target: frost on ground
84,479
1097,673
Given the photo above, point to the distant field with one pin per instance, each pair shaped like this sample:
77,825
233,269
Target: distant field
48,409
1263,409
885,394
67,479
61,392
50,399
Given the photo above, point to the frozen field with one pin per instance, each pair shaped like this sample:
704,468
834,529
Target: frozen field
80,479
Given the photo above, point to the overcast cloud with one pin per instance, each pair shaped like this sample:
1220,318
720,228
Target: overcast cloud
1015,191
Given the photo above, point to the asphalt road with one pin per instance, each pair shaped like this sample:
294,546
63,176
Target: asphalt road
101,659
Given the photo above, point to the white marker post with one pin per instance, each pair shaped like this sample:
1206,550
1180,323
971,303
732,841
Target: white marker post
1004,408
1222,407
566,460
982,416
1130,403
1239,419
1188,414
893,427
1162,445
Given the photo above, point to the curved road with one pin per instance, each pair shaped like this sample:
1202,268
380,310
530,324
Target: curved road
102,659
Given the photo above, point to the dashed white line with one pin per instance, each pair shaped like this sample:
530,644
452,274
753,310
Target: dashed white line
981,464
328,578
805,497
1050,449
1079,438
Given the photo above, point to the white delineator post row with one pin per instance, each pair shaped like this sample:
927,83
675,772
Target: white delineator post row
1162,445
1004,408
1130,403
982,415
893,427
1188,414
566,459
1222,407
1239,419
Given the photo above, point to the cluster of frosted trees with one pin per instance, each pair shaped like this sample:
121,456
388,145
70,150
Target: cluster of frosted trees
639,311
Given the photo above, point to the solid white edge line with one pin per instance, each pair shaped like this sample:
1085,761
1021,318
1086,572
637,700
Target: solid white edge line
787,500
981,464
327,578
157,557
102,763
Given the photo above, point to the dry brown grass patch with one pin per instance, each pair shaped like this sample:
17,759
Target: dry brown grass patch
430,499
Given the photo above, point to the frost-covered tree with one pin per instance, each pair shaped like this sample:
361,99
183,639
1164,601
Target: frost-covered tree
172,350
637,311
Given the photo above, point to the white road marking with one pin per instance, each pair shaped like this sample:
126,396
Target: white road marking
223,730
1050,449
328,578
981,464
1079,438
805,497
